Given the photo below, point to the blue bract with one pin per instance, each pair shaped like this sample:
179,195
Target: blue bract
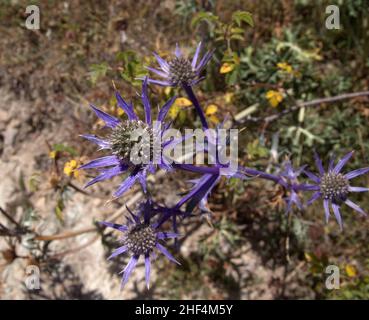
334,187
141,238
120,144
180,70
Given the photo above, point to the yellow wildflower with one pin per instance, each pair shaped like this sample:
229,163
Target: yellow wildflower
351,270
226,67
274,97
284,66
211,111
177,106
183,102
70,168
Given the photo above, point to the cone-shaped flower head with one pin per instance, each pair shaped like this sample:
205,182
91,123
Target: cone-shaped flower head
334,187
288,178
142,238
131,144
180,70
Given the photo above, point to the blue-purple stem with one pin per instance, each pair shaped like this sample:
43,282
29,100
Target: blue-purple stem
260,174
209,170
216,170
195,102
192,168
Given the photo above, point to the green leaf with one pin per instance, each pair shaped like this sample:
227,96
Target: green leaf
209,17
237,31
237,37
243,16
132,66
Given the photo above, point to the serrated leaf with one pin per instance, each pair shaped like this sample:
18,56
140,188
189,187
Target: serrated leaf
209,17
243,16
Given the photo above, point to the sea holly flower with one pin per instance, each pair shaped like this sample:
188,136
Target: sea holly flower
180,70
131,144
141,238
334,187
288,178
217,142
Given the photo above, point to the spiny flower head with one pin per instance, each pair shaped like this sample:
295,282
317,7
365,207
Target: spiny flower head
122,140
334,187
131,144
288,178
215,147
180,71
143,238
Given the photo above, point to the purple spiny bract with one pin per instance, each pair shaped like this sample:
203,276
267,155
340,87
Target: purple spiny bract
334,187
120,144
141,237
180,70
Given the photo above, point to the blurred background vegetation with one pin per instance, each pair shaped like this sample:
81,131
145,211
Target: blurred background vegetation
269,56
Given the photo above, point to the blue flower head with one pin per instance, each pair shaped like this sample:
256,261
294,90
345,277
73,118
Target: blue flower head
120,144
334,187
288,178
215,147
180,70
143,238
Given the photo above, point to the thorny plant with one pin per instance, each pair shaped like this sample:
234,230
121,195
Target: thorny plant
143,234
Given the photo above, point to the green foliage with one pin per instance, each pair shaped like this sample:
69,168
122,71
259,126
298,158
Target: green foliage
132,66
242,16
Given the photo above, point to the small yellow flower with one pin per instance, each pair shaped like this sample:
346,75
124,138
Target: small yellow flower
76,174
70,168
214,119
284,66
211,111
226,67
52,154
177,106
351,270
274,97
182,102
